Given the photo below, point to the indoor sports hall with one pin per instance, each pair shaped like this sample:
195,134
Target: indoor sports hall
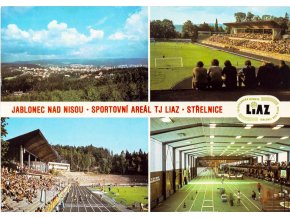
219,165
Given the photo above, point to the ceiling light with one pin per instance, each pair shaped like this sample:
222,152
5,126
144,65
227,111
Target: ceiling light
249,126
249,143
243,147
166,120
212,136
282,147
232,143
259,147
238,137
211,143
277,127
269,143
260,137
212,125
284,137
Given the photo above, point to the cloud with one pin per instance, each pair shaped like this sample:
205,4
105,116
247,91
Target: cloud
88,51
102,21
15,33
117,36
135,28
96,34
56,35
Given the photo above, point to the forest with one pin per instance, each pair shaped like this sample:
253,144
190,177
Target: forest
165,29
101,160
124,84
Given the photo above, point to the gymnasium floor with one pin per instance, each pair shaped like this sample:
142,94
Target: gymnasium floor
202,195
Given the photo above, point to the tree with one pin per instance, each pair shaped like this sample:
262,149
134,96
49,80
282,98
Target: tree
168,29
266,17
162,29
221,29
156,29
256,18
189,30
216,26
286,16
101,160
4,144
240,17
86,162
123,162
249,17
204,27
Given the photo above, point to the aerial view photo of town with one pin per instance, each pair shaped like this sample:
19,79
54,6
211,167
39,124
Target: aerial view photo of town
101,56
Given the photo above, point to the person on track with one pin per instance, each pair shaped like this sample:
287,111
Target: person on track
231,199
238,198
254,195
259,186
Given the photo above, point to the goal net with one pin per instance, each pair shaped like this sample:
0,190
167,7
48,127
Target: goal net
170,62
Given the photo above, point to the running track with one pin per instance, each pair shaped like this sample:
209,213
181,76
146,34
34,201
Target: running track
78,200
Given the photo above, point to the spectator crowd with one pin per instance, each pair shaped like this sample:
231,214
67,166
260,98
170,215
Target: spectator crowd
268,76
258,36
276,46
18,187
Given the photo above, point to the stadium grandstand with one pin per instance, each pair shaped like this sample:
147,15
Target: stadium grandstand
256,37
35,178
264,30
219,165
263,42
27,184
31,150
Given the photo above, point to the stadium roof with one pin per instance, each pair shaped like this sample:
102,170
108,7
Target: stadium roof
264,24
35,143
204,137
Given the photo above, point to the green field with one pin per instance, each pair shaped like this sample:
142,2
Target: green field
203,194
128,194
166,78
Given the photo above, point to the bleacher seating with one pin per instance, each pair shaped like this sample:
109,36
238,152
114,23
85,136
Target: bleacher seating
277,46
22,192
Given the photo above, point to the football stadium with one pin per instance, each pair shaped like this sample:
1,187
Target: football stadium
39,177
219,165
175,51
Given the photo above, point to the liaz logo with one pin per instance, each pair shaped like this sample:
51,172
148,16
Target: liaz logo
258,109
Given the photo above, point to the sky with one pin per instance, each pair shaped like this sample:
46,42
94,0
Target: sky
197,15
115,134
34,33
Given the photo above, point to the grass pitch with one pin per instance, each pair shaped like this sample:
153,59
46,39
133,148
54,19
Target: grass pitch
128,194
166,78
